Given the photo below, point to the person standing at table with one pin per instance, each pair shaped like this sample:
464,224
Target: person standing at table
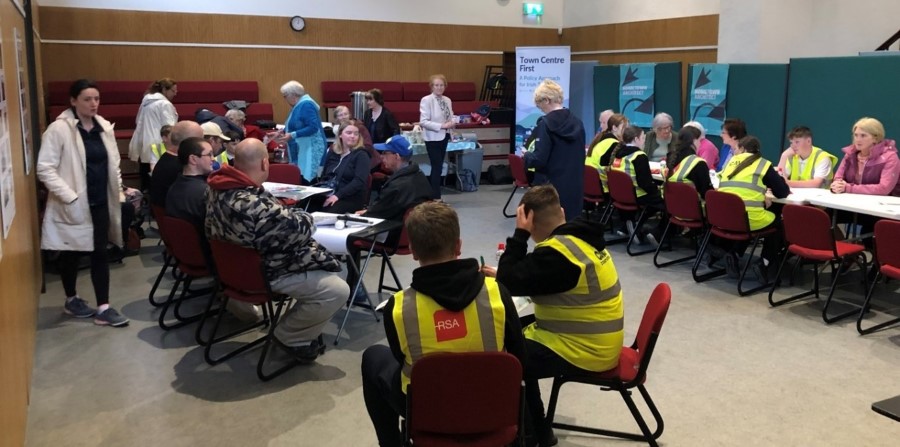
804,165
446,288
303,131
380,122
572,280
870,166
558,147
748,176
79,164
156,110
240,211
436,118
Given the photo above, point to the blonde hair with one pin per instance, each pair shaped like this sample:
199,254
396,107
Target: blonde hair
870,126
437,76
549,90
338,145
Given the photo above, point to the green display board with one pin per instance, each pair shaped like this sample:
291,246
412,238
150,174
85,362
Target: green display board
829,94
667,89
756,94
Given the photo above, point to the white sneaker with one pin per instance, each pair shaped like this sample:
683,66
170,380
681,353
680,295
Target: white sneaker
244,311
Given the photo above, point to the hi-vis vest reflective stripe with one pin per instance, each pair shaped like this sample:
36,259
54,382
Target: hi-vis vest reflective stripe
626,165
583,325
530,148
599,150
748,185
810,166
158,150
680,174
424,327
222,158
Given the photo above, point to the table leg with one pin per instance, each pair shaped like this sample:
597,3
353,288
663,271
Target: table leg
360,274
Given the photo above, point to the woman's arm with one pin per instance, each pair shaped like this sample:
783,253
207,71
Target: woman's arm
887,182
543,146
643,176
700,176
307,122
48,165
358,171
390,123
425,115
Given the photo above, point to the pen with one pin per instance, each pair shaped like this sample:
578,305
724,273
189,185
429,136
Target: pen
482,260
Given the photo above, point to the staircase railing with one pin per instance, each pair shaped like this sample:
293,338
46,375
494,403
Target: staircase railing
887,43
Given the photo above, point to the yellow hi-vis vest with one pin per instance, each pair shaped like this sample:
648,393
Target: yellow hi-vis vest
158,150
680,173
222,158
583,325
424,327
810,166
748,185
597,153
626,165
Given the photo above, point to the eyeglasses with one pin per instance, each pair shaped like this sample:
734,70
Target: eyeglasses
664,129
208,154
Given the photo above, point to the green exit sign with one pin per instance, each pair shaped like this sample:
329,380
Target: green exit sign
533,9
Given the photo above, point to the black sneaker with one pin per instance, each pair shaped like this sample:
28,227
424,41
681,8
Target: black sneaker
304,353
78,308
110,317
732,266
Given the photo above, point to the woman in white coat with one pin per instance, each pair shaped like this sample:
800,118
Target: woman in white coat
436,118
156,111
79,164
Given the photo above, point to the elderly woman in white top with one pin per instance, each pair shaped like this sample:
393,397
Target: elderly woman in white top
656,144
302,130
436,118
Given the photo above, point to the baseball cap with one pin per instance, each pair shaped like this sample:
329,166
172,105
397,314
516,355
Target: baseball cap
397,144
211,129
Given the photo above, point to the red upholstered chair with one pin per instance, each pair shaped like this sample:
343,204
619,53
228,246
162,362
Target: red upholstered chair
185,246
810,236
624,198
631,373
520,180
158,214
887,253
387,249
284,173
240,274
685,212
727,217
468,399
593,191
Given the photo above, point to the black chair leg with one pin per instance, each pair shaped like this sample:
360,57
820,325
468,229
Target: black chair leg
831,319
815,290
162,272
505,207
213,339
699,259
741,290
665,236
865,308
637,227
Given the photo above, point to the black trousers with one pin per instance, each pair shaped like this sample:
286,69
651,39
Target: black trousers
145,176
383,394
67,263
437,150
542,363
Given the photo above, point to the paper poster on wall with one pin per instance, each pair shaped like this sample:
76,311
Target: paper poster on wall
534,64
707,97
7,184
636,83
23,102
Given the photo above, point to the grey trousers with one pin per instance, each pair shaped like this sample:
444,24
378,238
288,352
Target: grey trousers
319,295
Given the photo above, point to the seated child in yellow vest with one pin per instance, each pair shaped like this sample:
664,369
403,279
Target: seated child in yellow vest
804,165
450,306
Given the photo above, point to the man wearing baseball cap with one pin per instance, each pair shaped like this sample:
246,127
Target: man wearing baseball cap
213,134
406,187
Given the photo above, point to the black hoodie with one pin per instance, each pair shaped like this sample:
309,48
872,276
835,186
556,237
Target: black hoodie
545,270
559,154
454,285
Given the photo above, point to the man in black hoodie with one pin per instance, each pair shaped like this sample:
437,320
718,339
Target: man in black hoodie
559,148
577,298
444,288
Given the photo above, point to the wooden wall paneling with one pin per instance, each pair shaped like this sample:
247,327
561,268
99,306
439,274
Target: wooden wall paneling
678,32
19,266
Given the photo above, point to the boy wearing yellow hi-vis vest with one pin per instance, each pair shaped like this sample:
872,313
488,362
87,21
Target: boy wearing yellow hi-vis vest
804,165
450,306
577,297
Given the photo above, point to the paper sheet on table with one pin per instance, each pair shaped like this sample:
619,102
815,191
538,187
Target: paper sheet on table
295,192
336,240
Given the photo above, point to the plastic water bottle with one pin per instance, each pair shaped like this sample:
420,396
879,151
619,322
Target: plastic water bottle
501,247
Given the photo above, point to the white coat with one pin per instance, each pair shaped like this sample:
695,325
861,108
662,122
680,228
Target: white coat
155,112
61,167
431,117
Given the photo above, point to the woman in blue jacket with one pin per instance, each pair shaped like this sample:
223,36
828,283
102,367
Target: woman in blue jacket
303,130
